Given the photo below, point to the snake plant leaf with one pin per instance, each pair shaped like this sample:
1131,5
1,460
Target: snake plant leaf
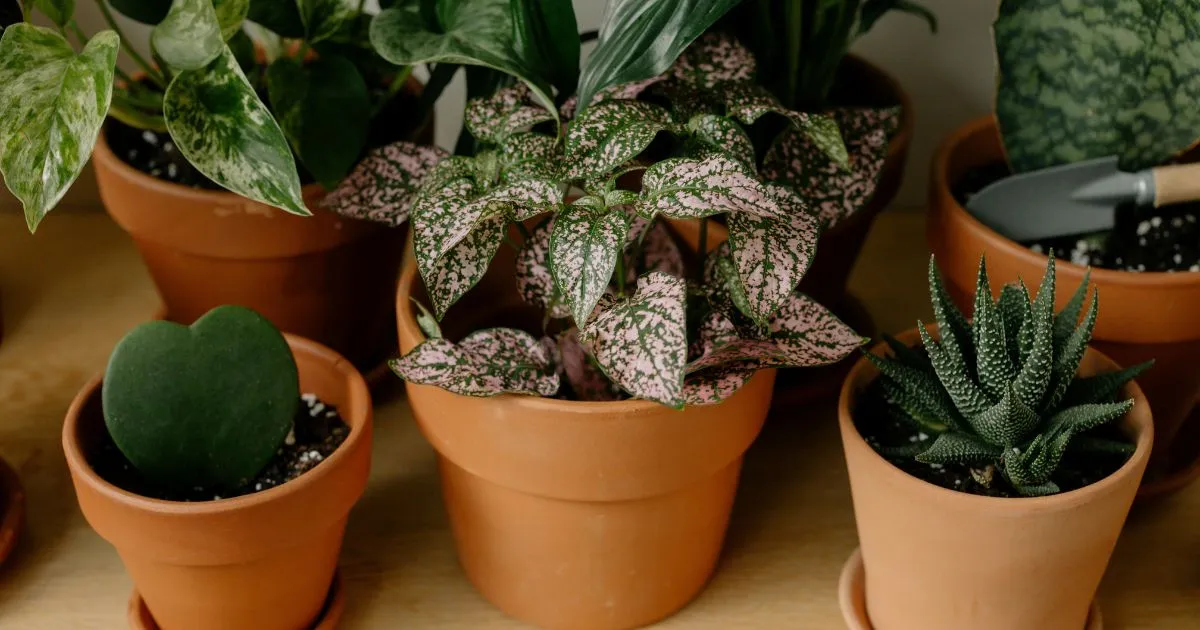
54,102
686,188
504,113
231,14
641,342
747,102
610,134
958,448
486,363
472,32
323,18
640,39
546,38
587,381
715,385
222,128
773,254
189,38
324,109
535,283
281,17
714,59
584,247
205,405
385,184
59,11
1079,81
719,133
464,264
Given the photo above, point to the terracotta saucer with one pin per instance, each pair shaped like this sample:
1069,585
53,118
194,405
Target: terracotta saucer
335,605
799,387
853,598
12,509
1184,467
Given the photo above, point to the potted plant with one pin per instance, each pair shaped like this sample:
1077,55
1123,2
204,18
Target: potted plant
221,460
214,156
1146,265
992,464
590,381
802,51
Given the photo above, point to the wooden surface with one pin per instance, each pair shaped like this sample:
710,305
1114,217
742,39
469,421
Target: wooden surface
70,292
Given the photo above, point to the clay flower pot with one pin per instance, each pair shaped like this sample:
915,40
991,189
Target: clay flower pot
578,515
263,561
1144,316
936,559
324,277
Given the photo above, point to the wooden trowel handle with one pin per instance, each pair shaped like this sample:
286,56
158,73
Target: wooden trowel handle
1176,184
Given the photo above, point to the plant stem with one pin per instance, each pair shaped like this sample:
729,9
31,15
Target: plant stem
151,73
621,274
80,35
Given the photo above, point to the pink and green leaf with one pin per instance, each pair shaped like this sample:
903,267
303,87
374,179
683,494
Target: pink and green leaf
810,335
725,135
454,273
384,185
535,283
773,254
610,134
714,59
687,188
442,218
748,102
586,380
486,363
714,385
584,245
519,199
506,112
527,155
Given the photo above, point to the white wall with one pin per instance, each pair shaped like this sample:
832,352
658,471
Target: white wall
949,75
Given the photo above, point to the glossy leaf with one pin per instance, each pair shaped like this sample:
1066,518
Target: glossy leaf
222,128
584,247
486,363
385,184
773,254
535,283
281,17
464,264
53,102
231,14
686,188
189,38
441,221
503,114
519,199
610,134
546,38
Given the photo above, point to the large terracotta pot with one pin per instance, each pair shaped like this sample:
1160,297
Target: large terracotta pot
263,561
936,559
325,277
1143,316
579,515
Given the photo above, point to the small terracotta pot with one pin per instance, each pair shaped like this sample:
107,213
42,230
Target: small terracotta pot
579,515
324,277
1142,315
936,559
263,561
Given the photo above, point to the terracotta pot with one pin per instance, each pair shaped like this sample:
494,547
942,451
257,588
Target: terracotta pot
263,561
936,559
1142,315
579,515
324,277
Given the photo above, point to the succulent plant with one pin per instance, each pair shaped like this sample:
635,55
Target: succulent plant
1001,393
201,406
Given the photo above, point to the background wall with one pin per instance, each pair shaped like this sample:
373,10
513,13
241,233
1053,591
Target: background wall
949,75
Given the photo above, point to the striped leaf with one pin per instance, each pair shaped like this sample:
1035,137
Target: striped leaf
385,184
686,188
610,134
510,110
485,363
584,246
748,102
773,254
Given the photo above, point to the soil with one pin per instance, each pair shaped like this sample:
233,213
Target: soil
317,432
1160,239
887,435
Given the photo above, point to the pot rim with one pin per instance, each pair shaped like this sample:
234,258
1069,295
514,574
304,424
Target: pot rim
941,182
864,372
359,397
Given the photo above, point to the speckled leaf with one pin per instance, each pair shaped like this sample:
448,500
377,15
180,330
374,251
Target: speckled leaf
748,102
714,385
610,134
460,268
531,155
641,342
725,135
440,219
586,380
53,103
810,335
622,92
534,280
715,330
773,254
722,284
686,188
584,246
222,128
485,363
189,38
713,59
508,111
836,192
323,18
519,200
384,185
1083,80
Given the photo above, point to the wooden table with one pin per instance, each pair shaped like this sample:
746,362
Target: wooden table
71,291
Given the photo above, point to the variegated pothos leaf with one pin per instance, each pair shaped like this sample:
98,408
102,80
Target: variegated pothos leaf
485,363
190,37
510,110
584,246
686,188
611,133
384,185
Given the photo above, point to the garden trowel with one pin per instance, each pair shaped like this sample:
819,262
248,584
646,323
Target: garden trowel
1077,198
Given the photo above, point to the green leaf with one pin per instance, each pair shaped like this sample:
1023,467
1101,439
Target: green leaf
205,405
1013,303
189,38
1083,418
772,254
462,266
917,390
473,32
1034,378
640,39
959,448
546,39
323,18
1070,354
1006,423
584,247
725,135
144,11
59,11
222,128
53,103
956,335
994,366
952,372
611,134
281,17
230,15
324,109
1066,319
1088,80
1101,387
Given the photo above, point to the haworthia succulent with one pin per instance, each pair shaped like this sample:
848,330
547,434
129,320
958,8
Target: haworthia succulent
486,363
190,37
994,365
584,247
54,102
510,110
959,449
686,188
610,134
384,185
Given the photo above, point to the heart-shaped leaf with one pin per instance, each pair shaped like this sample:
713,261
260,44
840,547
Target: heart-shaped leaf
641,342
535,283
773,254
231,14
714,59
725,135
1081,80
486,363
748,102
324,109
687,188
385,184
584,246
463,265
509,110
53,102
205,405
189,38
222,128
610,134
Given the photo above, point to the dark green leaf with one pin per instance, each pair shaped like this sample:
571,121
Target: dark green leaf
952,372
1013,304
546,38
995,368
144,11
1084,418
323,18
1101,387
1070,353
189,38
959,448
1066,319
281,17
230,15
956,335
584,247
1006,423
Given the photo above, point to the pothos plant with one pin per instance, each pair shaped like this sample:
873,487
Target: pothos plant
624,315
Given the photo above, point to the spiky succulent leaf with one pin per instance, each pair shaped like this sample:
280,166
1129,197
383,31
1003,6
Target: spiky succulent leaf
772,255
384,185
584,246
611,133
1012,307
1086,445
1066,319
1101,387
485,363
510,110
535,283
1038,363
1007,422
958,448
1083,418
747,102
686,188
718,133
992,361
950,319
641,342
190,37
1070,353
951,370
918,390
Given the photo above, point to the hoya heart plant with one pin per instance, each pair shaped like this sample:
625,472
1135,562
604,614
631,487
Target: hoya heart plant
201,406
625,315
